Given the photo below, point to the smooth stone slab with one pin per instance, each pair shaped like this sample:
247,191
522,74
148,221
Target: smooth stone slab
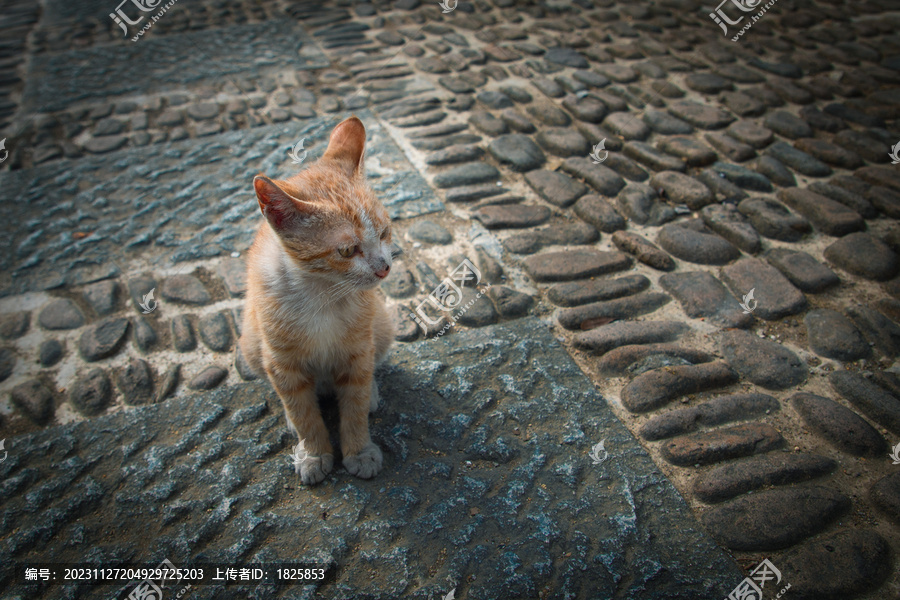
839,426
826,215
839,565
694,242
702,296
775,519
833,335
103,339
659,387
575,264
875,402
592,315
575,293
512,215
61,313
762,361
605,338
719,445
724,409
756,472
865,255
802,270
776,296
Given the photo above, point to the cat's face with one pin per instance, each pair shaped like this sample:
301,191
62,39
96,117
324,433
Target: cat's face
327,218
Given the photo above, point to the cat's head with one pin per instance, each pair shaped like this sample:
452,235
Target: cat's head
327,218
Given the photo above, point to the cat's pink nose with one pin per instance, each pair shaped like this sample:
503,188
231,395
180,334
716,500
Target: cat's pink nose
382,273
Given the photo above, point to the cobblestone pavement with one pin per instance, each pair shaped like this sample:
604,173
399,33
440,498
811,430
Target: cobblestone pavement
713,292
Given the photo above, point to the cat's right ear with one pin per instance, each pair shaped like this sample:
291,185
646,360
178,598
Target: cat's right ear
279,208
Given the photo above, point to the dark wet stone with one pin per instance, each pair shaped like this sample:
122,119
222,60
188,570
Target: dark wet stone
50,353
33,400
773,220
607,337
144,335
659,387
838,425
865,255
510,303
852,201
776,296
648,155
703,116
643,250
787,124
801,269
702,296
776,172
750,133
566,234
682,189
516,121
640,203
721,444
586,108
599,213
885,200
563,142
185,289
627,125
101,296
823,121
494,99
626,167
852,115
555,187
14,325
707,83
858,142
883,333
576,293
468,174
61,313
774,519
135,381
103,339
488,123
105,143
91,394
725,220
885,495
665,124
874,401
574,264
183,334
517,151
8,361
725,191
604,180
208,378
789,92
798,160
724,409
756,472
840,565
833,335
588,316
568,57
741,104
549,115
829,153
762,361
694,242
730,147
694,152
454,154
743,177
511,215
215,332
430,233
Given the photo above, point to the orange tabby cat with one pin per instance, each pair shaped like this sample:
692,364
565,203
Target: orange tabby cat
314,318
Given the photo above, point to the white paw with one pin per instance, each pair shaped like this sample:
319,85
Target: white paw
366,464
312,468
375,398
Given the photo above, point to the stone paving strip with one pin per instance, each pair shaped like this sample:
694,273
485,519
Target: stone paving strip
723,266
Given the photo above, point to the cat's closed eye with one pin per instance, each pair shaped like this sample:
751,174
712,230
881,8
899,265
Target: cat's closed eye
385,233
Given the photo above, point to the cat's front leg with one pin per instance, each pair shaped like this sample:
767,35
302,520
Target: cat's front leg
354,388
313,456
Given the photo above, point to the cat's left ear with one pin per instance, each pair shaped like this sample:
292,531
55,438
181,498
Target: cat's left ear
347,145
